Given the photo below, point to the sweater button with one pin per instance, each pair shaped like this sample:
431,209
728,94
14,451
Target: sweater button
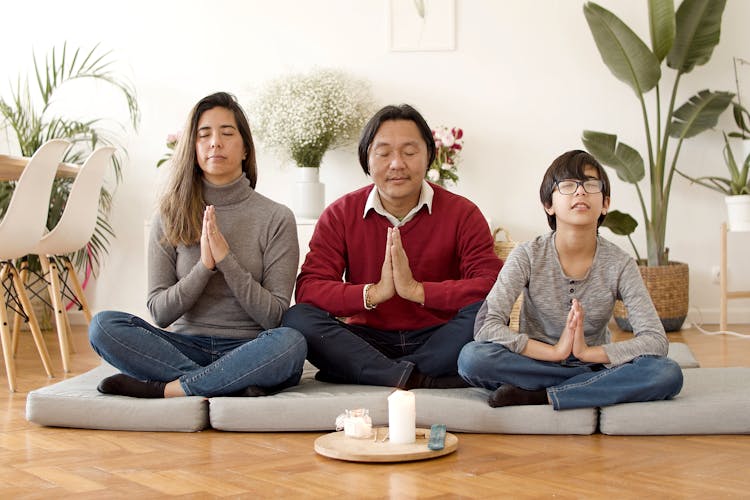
572,290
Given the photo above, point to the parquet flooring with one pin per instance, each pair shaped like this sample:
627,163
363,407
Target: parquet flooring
39,462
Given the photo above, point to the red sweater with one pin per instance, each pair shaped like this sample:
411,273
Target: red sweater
450,252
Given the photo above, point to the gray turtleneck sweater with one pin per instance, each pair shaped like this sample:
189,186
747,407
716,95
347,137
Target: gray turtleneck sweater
249,290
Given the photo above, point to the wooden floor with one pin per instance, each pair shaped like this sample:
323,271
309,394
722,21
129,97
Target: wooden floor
39,462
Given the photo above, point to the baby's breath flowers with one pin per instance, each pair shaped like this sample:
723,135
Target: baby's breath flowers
301,116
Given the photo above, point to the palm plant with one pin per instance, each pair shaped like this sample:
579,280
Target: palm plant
684,39
33,121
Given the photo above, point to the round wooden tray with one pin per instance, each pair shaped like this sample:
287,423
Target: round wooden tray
378,449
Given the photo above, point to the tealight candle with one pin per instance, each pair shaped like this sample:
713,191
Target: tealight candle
402,417
357,423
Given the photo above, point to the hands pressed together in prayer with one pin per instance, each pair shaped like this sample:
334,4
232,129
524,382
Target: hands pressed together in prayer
395,275
213,245
572,340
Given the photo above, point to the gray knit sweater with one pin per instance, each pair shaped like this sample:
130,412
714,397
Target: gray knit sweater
250,288
534,268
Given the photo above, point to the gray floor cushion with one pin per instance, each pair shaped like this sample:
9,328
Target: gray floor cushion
311,406
75,402
681,353
712,401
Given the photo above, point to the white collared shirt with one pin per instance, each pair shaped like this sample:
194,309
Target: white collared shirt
374,203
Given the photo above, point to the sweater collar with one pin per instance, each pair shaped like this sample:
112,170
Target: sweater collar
229,194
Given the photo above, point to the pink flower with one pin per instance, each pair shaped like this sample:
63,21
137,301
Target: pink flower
173,139
448,147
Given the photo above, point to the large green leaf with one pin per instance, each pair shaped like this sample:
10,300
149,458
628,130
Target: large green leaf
625,160
698,32
742,119
662,26
624,53
620,223
701,112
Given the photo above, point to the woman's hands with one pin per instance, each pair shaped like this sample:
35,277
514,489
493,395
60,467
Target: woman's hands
214,246
395,275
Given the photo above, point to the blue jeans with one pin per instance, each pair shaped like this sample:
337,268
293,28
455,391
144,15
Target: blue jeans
205,366
358,354
571,384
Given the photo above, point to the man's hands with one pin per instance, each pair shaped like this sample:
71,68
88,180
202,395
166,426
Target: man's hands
395,275
213,245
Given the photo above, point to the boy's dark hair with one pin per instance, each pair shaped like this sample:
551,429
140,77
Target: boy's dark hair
401,112
570,165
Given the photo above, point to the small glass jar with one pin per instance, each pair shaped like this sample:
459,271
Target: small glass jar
355,423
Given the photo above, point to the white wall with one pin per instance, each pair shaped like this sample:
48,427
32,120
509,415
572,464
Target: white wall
523,82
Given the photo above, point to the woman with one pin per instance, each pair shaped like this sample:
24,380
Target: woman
571,277
222,263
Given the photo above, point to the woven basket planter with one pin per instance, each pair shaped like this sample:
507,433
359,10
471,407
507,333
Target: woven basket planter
503,249
668,287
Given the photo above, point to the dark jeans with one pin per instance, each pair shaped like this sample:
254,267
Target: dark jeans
571,385
205,366
357,354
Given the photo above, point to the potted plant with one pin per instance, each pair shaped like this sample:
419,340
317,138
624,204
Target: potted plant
303,115
683,40
32,119
735,188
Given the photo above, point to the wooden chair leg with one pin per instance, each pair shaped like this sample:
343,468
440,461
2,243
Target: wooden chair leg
17,318
55,294
36,332
10,363
75,284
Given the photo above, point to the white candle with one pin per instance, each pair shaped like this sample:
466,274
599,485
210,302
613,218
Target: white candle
402,417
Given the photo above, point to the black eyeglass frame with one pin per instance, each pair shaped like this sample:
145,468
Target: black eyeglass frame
579,183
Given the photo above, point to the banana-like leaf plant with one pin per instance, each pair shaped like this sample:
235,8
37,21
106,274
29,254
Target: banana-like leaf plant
683,39
30,115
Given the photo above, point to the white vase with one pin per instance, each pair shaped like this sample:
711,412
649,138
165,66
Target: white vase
309,193
738,212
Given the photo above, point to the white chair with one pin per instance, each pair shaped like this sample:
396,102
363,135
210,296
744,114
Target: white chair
72,232
20,231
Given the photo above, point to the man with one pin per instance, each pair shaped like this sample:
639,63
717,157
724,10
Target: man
416,262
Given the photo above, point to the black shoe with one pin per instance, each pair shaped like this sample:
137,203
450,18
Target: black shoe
508,395
125,385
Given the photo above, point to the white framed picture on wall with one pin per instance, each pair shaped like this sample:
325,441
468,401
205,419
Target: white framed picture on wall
421,25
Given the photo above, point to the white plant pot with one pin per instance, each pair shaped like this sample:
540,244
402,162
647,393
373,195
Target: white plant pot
309,193
738,212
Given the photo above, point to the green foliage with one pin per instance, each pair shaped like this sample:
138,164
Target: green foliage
622,224
684,39
736,184
28,113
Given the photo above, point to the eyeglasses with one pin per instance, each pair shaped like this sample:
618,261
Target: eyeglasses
570,186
